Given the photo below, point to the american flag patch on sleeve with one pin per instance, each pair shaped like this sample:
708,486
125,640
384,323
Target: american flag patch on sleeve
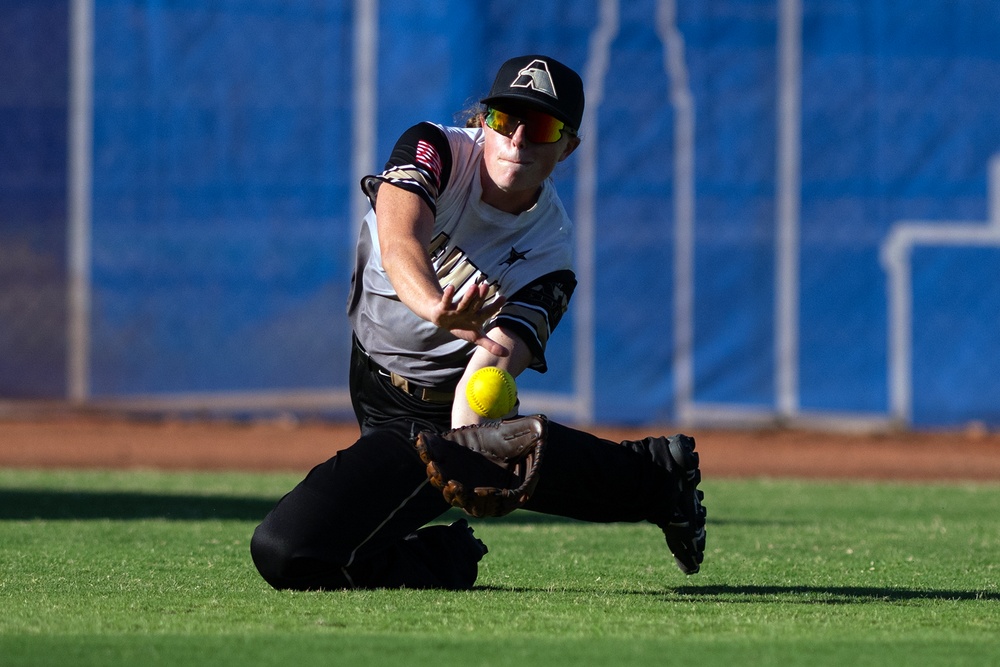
427,156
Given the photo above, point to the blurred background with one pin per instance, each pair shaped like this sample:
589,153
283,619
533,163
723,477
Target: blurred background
787,211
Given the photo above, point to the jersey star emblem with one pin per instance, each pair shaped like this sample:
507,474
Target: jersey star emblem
514,256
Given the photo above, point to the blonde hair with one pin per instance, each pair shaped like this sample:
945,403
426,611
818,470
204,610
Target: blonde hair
471,115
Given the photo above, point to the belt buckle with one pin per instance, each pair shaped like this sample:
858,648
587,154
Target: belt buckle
400,382
423,393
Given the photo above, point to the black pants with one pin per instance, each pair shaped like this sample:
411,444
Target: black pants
359,519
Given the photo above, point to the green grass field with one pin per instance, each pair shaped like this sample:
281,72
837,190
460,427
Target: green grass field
126,568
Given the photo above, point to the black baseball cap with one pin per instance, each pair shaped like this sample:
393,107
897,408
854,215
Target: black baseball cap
544,84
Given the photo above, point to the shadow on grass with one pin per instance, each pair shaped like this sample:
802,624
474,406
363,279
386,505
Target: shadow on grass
823,595
26,504
830,595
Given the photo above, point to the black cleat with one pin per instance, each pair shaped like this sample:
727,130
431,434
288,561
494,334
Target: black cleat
686,531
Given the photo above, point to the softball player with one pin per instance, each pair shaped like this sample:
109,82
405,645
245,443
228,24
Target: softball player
464,261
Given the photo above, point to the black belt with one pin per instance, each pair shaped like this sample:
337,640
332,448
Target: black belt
428,394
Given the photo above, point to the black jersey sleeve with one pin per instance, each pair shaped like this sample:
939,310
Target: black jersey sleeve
534,311
420,163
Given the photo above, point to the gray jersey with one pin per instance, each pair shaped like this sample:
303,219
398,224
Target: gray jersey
527,258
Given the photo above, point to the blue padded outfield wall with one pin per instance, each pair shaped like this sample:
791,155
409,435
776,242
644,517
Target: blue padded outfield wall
786,209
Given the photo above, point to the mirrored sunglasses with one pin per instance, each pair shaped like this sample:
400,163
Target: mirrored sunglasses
539,128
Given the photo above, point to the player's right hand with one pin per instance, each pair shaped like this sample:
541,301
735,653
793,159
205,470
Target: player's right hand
466,318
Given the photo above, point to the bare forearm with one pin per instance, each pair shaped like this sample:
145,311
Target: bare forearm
405,224
514,363
415,284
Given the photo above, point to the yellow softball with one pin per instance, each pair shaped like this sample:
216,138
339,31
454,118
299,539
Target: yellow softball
491,392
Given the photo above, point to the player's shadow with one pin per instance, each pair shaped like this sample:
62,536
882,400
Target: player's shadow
829,595
805,595
28,504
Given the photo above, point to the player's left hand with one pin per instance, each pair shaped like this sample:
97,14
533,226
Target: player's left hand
489,469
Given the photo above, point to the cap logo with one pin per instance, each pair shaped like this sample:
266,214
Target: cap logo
536,76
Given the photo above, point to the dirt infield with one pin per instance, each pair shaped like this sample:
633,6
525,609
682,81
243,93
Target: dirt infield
103,442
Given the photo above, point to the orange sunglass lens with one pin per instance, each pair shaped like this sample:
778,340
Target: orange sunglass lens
539,128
